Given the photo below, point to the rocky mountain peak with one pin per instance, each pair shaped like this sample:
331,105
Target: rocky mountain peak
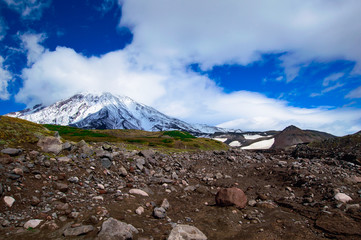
104,110
291,128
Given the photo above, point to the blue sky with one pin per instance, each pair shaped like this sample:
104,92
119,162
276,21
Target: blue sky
252,65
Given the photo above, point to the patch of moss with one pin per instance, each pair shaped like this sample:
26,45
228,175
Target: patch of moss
15,131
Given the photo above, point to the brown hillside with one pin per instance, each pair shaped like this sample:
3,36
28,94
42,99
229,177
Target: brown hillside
292,135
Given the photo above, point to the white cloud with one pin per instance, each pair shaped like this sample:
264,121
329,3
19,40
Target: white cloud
31,44
184,94
213,32
332,78
29,9
280,78
356,93
169,35
5,77
63,72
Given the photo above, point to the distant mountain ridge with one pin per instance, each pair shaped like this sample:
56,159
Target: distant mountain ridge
289,137
108,111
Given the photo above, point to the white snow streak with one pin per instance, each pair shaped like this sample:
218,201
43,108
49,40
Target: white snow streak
265,144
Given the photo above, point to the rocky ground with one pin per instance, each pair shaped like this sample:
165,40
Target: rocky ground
56,190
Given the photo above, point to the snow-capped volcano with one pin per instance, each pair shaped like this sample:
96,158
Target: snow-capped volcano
108,111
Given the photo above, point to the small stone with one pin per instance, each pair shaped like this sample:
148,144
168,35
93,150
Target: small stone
165,204
11,151
18,171
101,186
107,147
62,187
9,201
139,163
77,231
252,203
98,198
219,175
148,153
114,229
64,159
5,223
62,206
123,172
159,212
51,225
47,163
174,175
184,232
74,215
139,210
106,163
33,223
262,196
13,176
138,192
343,197
35,201
73,179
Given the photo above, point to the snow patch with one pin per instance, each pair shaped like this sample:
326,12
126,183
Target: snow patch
220,139
251,137
265,144
235,144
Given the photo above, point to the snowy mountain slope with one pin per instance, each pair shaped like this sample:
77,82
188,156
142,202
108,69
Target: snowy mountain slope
107,111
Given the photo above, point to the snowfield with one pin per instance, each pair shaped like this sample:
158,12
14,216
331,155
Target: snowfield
251,137
235,144
220,139
265,144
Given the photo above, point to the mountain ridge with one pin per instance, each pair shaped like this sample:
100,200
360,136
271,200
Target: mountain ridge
108,111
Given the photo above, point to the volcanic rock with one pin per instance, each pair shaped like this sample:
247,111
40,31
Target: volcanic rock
114,229
61,187
33,223
231,196
76,231
9,201
11,151
50,145
138,192
186,232
159,212
343,197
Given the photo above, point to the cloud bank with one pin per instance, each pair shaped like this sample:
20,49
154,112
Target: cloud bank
5,78
168,36
218,32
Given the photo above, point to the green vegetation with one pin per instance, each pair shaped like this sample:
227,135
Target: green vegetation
77,134
15,131
178,134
